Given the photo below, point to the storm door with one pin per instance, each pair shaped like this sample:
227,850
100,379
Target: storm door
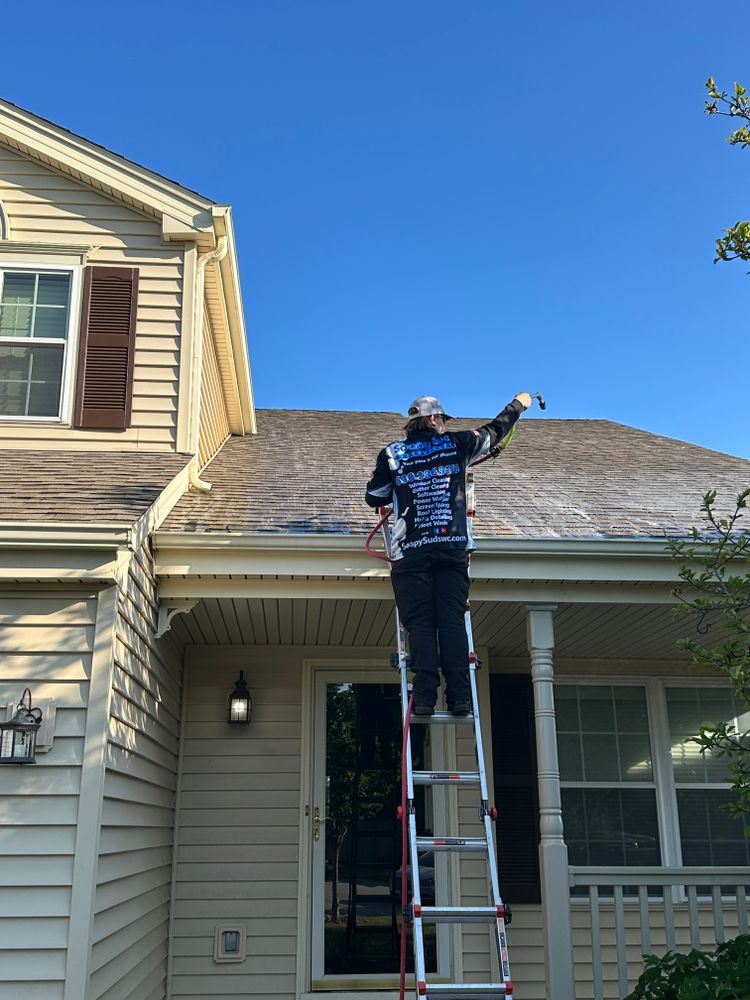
357,870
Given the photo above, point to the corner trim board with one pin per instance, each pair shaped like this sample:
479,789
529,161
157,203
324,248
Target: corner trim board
90,802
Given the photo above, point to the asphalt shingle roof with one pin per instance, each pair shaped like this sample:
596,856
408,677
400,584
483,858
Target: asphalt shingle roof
304,472
83,486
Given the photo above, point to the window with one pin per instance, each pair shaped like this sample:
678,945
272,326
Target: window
611,784
35,324
608,787
708,834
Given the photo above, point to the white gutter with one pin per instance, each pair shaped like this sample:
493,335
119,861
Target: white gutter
555,547
77,535
196,379
192,555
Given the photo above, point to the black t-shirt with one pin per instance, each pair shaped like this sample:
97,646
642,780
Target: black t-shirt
424,477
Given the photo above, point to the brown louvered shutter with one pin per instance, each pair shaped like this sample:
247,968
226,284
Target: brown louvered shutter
516,796
104,396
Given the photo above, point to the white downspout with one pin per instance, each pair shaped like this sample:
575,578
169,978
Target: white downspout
196,379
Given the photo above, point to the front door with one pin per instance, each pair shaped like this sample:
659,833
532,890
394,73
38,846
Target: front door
357,867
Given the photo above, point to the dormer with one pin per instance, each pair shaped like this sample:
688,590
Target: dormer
121,321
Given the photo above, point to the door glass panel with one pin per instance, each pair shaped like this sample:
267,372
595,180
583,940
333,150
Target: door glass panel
362,898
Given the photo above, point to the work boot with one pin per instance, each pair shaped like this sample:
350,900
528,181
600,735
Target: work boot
460,708
422,708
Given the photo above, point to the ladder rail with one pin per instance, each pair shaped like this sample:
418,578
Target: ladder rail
494,914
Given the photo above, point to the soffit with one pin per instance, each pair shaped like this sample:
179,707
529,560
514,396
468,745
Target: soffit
582,631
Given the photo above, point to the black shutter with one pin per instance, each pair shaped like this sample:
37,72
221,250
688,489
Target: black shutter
104,395
516,795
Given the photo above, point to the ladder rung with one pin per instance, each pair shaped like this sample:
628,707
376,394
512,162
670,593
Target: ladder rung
441,719
459,914
446,777
451,843
465,991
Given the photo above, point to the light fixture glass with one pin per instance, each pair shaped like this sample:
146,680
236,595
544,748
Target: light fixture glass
240,708
18,735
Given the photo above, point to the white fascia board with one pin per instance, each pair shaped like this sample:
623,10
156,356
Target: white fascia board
566,560
87,566
230,279
379,589
61,553
186,212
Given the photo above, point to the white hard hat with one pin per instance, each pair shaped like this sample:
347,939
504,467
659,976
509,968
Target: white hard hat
426,406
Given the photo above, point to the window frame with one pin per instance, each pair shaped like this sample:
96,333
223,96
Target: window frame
664,782
70,346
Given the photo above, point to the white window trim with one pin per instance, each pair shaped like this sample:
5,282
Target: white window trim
664,780
70,348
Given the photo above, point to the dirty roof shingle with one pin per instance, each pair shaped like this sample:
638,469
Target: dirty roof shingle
304,472
90,487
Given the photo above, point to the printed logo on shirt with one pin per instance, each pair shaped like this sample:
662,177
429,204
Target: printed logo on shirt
419,542
420,449
422,474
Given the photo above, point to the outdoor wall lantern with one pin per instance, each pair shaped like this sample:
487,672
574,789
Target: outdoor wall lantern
240,708
18,735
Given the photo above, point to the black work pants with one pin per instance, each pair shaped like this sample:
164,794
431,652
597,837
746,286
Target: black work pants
431,590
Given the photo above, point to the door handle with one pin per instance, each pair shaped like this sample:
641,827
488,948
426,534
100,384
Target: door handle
317,820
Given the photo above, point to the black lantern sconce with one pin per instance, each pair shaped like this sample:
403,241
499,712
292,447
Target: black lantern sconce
240,707
18,735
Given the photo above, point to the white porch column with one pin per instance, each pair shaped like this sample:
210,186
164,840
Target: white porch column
553,853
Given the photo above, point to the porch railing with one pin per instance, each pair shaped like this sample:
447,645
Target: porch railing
618,915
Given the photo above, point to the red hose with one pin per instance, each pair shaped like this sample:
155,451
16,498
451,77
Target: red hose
368,549
404,851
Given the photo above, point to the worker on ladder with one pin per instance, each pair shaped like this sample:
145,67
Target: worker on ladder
423,476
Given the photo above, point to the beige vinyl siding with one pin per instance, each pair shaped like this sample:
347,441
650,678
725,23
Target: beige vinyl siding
238,834
478,941
45,644
131,920
214,428
44,206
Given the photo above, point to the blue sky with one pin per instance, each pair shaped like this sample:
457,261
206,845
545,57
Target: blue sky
461,198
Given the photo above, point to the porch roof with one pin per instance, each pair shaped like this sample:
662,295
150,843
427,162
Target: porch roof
83,486
304,472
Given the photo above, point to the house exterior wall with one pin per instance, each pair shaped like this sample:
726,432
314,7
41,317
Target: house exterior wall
133,878
87,832
214,424
613,670
239,824
241,835
46,642
46,207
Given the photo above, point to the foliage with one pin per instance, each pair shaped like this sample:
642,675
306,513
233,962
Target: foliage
715,594
735,244
721,975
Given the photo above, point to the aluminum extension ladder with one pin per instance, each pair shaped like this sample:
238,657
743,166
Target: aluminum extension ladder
496,913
